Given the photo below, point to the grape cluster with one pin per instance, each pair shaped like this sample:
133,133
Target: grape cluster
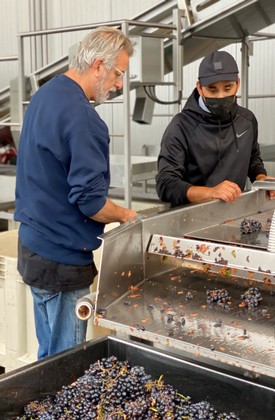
114,390
189,296
251,298
204,410
218,296
250,226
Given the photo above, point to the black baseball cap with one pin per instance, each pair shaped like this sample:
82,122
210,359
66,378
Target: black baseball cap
216,66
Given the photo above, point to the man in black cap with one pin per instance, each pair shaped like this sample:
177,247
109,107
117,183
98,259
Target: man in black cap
210,148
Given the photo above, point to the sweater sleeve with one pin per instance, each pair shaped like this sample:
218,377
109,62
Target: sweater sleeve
170,184
256,166
88,174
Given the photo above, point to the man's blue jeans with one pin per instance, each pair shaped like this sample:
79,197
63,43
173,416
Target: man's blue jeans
57,326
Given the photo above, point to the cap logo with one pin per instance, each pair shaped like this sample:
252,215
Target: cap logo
218,65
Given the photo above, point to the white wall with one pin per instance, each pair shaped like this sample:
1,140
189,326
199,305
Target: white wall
8,40
20,16
28,15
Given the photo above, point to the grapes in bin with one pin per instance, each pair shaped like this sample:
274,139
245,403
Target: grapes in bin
251,298
250,226
116,390
218,296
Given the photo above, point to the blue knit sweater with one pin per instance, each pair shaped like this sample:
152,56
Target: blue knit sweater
62,173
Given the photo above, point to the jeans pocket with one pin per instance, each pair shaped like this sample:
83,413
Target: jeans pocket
41,294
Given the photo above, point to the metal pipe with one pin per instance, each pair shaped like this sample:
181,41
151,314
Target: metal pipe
265,35
85,306
21,79
45,38
127,133
177,59
91,26
245,74
11,124
9,58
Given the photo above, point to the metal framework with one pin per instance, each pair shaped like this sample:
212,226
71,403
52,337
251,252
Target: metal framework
125,26
187,37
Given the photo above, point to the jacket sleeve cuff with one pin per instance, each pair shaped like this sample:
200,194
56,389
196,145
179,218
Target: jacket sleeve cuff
90,209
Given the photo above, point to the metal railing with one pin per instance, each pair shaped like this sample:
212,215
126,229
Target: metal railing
5,94
168,31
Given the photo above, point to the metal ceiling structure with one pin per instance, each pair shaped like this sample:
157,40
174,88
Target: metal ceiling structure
209,25
189,28
232,24
229,22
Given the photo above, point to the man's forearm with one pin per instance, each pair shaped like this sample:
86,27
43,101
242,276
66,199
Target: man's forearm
111,212
198,194
225,191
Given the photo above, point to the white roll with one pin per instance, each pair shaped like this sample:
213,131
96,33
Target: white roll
85,306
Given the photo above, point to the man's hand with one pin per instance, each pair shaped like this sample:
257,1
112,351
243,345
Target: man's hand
271,193
225,191
111,212
129,215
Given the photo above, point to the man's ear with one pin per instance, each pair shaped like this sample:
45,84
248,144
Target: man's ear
199,88
97,64
238,83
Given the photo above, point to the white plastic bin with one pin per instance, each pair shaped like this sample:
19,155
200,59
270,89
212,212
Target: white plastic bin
18,342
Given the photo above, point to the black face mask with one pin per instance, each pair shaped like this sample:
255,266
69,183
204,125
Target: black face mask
220,107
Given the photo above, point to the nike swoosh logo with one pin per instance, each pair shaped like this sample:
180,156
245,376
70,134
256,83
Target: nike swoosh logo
241,134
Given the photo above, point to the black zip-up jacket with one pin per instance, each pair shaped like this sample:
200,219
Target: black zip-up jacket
199,149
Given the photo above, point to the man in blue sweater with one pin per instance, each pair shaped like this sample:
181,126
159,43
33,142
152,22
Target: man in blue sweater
62,185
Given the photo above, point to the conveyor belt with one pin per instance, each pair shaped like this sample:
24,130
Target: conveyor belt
157,306
154,286
230,233
222,244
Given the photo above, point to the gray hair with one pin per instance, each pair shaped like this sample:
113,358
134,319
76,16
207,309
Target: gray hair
103,42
